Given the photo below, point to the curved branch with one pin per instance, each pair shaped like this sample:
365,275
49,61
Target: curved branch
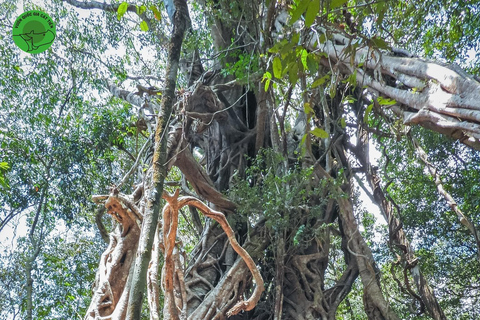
221,219
170,225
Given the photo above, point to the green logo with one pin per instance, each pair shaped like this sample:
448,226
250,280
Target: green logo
34,31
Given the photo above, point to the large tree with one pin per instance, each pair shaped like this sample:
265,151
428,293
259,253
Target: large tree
228,142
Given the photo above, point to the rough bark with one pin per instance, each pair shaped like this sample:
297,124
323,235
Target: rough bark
113,280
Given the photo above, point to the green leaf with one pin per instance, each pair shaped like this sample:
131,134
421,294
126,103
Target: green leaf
144,26
267,76
141,9
299,10
322,38
293,74
352,78
295,38
380,43
156,13
381,9
320,81
4,166
304,55
307,108
386,101
312,11
312,63
337,3
343,123
277,67
303,139
122,8
367,112
317,132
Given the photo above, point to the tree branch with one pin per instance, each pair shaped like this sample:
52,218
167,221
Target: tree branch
447,196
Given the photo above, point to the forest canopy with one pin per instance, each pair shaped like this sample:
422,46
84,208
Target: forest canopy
303,159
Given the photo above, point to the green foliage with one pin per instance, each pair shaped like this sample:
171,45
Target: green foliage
283,197
3,181
267,77
61,139
436,28
243,65
445,248
156,12
141,9
274,193
320,133
277,68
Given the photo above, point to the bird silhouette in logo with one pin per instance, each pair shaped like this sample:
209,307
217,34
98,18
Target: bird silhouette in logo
35,40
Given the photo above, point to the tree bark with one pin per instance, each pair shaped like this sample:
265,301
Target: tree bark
36,247
463,219
180,25
439,97
397,235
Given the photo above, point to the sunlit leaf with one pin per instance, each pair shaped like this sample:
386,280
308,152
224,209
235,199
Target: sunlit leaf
122,8
141,9
299,10
267,77
277,67
386,101
303,57
317,132
144,26
307,108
